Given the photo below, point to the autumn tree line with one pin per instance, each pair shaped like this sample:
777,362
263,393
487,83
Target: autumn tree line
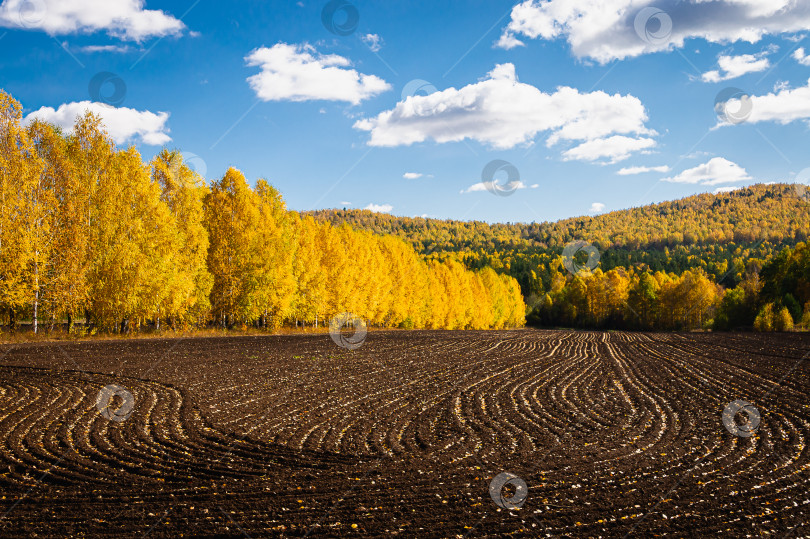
90,231
728,261
775,297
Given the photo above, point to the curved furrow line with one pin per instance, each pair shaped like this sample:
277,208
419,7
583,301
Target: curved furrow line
61,431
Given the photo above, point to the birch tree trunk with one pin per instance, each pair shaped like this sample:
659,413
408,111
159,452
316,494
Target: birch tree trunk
36,291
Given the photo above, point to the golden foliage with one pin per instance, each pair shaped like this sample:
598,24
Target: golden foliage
90,229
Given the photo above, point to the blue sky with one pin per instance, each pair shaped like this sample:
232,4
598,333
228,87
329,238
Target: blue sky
577,95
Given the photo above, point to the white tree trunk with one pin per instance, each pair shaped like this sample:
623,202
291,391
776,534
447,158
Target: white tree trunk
36,290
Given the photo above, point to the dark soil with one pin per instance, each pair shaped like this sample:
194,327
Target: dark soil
614,434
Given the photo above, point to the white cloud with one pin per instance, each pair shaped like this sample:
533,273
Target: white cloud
508,41
724,189
373,41
299,73
106,48
697,154
502,112
379,208
596,207
345,203
484,186
124,19
615,148
717,170
124,125
627,171
783,105
605,30
489,186
412,175
800,56
737,66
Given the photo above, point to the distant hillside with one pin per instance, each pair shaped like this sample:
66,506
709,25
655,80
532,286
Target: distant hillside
773,212
720,233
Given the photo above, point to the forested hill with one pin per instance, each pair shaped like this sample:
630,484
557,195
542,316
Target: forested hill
721,234
775,212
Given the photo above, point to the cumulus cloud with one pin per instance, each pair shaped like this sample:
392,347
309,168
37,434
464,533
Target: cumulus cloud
606,30
502,112
412,175
299,73
615,148
124,125
724,189
508,41
783,105
373,41
717,170
379,208
596,207
627,171
123,19
732,67
489,186
800,56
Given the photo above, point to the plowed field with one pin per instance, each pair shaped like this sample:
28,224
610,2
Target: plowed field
613,434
